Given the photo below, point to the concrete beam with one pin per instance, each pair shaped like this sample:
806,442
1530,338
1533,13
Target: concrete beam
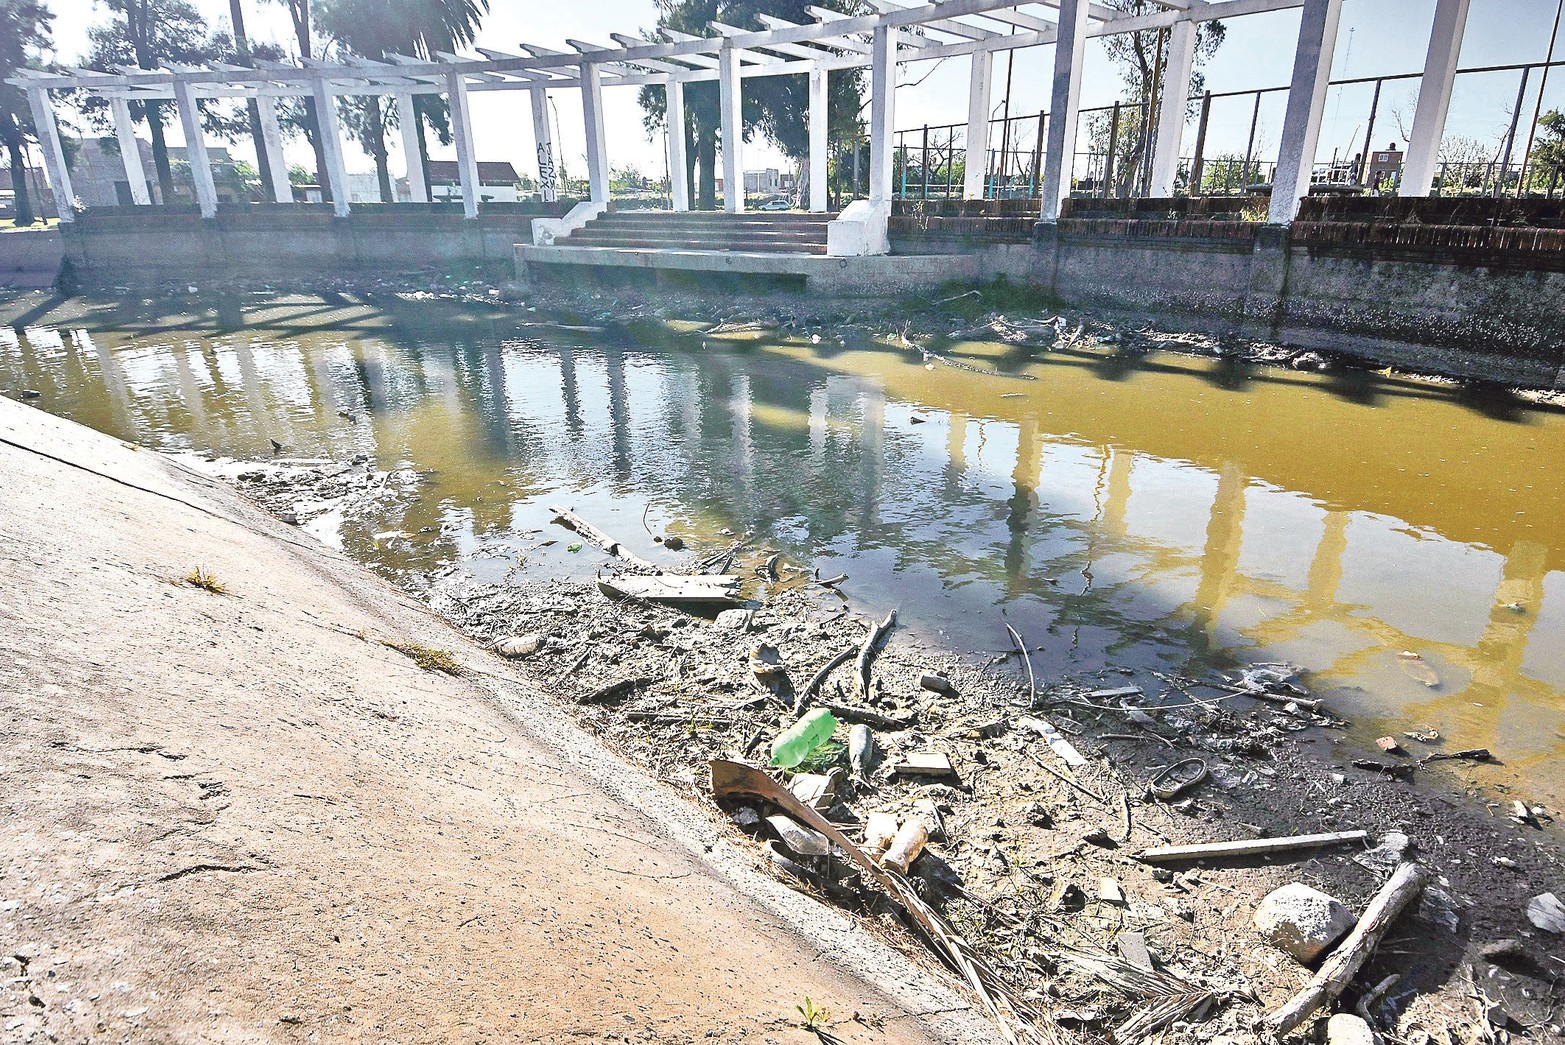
980,88
1171,115
592,121
195,149
272,141
730,105
543,142
820,139
130,152
1434,97
331,145
53,153
412,155
1070,52
462,138
882,113
678,160
1306,103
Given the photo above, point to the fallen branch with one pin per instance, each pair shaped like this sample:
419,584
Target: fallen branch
1472,754
570,520
848,713
1032,679
821,675
1405,884
1248,847
872,642
614,690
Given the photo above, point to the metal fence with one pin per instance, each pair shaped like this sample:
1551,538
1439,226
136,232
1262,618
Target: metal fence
931,160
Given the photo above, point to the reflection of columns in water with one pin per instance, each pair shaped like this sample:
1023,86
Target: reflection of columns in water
190,393
1024,498
117,385
619,413
1220,559
743,449
262,423
820,424
1503,645
570,393
1326,568
1111,519
956,448
874,461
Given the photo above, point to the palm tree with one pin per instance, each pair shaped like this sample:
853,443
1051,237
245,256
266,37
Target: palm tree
376,28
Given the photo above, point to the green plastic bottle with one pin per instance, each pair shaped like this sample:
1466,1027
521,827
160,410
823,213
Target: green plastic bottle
794,744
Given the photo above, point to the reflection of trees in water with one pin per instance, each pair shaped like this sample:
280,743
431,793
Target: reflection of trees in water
803,457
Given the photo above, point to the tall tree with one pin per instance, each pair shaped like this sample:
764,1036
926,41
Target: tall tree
304,39
24,33
775,106
376,28
151,34
236,15
1140,59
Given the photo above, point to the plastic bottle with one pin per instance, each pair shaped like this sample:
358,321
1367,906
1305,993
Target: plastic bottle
795,743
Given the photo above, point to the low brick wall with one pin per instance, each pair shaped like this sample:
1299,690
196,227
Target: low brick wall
105,245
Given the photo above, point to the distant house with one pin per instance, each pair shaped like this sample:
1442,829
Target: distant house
98,174
498,182
1386,165
770,180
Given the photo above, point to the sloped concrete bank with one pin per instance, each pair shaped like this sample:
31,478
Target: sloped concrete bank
248,816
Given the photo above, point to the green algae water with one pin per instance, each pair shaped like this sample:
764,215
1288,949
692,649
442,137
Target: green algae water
1150,511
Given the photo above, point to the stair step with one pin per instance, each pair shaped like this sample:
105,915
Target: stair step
676,235
739,246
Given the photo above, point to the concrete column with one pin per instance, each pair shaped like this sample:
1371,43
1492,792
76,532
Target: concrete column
979,102
272,142
331,145
678,161
1064,102
592,120
1306,103
1434,97
130,152
53,154
195,149
820,139
462,138
1171,116
543,138
882,113
731,106
412,155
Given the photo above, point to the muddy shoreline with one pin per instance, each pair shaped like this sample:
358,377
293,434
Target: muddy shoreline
1022,856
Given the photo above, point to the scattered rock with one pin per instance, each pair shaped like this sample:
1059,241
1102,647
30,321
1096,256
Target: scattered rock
1302,920
935,682
519,645
1344,1028
1505,952
798,838
1547,913
735,620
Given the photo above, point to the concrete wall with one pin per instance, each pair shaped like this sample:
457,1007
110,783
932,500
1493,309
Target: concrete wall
1488,316
30,258
119,244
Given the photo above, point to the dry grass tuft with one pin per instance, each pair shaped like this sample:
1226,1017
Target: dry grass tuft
199,578
425,657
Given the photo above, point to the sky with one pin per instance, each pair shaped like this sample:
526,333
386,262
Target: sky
1377,37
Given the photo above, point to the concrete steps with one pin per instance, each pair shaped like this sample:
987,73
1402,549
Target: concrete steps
767,232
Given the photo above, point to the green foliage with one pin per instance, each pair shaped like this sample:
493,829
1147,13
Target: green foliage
815,1017
24,33
776,107
1548,150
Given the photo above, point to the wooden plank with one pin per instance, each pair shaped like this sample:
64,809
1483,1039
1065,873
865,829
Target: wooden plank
674,588
572,521
1249,847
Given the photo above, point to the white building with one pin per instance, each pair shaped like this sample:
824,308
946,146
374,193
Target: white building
498,182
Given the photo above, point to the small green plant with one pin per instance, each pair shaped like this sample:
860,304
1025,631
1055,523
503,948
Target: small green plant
426,658
574,548
199,578
825,756
815,1017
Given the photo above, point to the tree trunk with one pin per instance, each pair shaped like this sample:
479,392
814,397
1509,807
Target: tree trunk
300,11
423,149
706,160
377,131
24,200
263,162
160,152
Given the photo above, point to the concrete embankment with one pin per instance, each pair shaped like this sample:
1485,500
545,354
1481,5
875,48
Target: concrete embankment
242,816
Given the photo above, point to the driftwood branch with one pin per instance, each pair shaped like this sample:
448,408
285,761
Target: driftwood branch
572,521
1248,847
872,642
821,675
1345,962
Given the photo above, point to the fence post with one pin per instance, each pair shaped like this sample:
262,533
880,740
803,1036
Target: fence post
1108,163
1199,160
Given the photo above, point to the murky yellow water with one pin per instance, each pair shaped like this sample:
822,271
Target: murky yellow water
1153,512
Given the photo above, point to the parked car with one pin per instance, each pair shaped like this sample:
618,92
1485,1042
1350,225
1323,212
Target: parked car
776,203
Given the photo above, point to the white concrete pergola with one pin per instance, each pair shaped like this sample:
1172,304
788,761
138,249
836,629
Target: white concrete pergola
896,34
